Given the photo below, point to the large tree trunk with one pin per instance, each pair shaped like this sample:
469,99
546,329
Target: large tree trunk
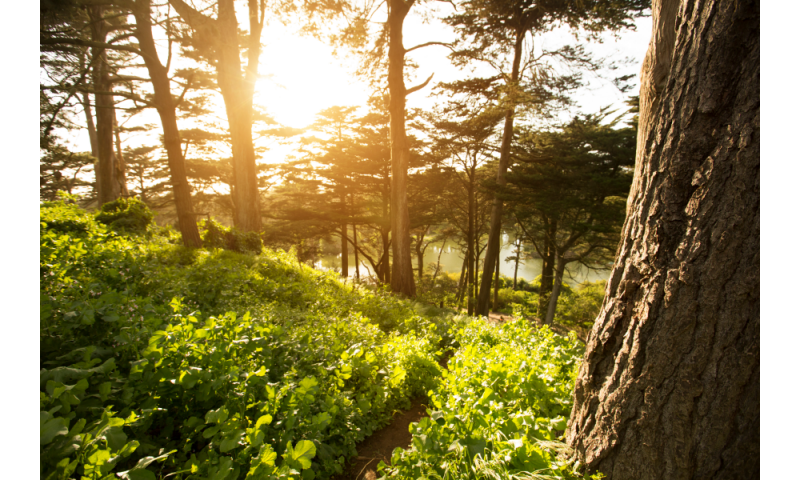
402,270
187,221
496,222
669,387
237,90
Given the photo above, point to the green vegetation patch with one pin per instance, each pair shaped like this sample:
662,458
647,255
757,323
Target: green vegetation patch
163,362
501,410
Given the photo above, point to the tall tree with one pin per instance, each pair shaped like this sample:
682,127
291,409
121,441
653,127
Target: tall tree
403,273
669,386
567,190
494,31
219,40
166,105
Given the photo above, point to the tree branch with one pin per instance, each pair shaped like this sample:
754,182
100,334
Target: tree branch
419,87
428,44
87,43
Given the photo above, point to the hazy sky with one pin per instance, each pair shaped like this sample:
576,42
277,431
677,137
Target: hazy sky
300,76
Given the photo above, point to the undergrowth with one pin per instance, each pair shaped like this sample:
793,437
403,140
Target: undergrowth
159,361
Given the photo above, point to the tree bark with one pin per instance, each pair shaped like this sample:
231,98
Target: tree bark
187,221
402,270
495,224
669,387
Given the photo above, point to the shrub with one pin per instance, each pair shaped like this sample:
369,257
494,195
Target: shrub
582,306
216,235
129,215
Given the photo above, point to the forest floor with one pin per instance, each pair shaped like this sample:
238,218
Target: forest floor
380,445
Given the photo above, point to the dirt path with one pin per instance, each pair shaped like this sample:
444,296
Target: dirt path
379,445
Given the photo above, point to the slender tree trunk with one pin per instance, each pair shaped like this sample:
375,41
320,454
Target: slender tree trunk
119,173
496,282
87,111
439,259
516,262
548,267
470,248
106,181
495,224
403,273
462,281
669,386
355,251
345,254
553,302
187,221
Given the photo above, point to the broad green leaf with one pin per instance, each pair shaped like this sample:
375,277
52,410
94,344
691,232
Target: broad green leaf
222,470
231,441
217,416
263,420
267,456
303,452
52,428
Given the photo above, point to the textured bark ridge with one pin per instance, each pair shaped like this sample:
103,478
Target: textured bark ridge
669,387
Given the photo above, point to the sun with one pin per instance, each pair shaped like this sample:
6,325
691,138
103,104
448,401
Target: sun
300,76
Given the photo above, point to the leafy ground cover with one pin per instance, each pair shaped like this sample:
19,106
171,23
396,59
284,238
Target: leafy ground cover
163,362
500,410
157,361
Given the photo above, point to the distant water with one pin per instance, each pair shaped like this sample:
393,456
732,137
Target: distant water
452,260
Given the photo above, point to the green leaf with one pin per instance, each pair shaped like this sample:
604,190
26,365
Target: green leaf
222,470
267,456
116,438
263,420
217,416
52,428
140,474
231,441
303,452
397,377
105,390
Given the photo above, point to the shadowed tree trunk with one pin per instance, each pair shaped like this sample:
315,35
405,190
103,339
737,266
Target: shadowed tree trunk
187,221
669,387
106,184
496,221
402,278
